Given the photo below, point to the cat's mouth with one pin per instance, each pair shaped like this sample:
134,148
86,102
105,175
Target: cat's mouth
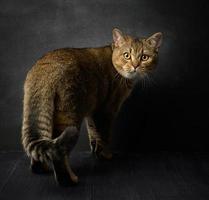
133,74
136,73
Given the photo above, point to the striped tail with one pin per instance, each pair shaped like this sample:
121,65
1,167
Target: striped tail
46,150
37,127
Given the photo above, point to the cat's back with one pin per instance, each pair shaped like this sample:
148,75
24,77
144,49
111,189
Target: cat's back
62,56
55,64
55,60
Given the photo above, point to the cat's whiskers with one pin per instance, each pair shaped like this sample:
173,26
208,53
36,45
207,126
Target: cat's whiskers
143,83
144,79
119,79
151,80
116,77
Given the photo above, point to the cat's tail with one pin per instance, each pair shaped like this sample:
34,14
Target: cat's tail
46,150
37,126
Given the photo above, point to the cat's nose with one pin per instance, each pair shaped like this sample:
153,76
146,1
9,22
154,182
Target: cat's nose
135,66
135,63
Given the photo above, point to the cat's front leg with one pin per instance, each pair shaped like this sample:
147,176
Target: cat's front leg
99,139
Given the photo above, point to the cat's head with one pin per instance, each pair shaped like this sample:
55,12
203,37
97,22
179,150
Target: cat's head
133,57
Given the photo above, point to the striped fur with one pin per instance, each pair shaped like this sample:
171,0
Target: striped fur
67,85
37,129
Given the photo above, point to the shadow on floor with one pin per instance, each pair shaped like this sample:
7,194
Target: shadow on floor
163,175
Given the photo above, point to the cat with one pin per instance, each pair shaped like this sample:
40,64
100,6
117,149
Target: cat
69,85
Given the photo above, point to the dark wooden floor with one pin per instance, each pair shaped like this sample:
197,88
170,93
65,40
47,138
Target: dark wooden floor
146,176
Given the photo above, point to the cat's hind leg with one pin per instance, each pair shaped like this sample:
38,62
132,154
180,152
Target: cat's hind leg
63,172
98,140
61,166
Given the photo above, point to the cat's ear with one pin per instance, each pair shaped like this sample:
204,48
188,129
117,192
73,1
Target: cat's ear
118,37
155,40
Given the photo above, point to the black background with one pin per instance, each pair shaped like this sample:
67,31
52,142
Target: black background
171,114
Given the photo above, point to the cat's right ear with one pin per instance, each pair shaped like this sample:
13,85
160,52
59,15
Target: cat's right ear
118,37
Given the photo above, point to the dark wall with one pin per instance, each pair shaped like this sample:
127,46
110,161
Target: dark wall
171,112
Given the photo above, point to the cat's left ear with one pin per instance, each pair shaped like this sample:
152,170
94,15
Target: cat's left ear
155,40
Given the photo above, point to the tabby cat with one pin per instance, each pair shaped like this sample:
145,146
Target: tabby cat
68,85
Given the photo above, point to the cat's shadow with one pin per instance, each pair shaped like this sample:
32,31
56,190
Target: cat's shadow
87,164
92,171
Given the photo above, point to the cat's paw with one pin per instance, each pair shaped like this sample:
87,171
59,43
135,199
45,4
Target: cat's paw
65,180
38,167
64,175
105,154
100,150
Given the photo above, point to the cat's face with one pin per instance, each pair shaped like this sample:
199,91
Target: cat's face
133,58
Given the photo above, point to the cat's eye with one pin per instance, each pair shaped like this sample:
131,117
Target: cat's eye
145,57
126,55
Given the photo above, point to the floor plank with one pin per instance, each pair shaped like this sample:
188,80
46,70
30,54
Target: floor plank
8,163
146,176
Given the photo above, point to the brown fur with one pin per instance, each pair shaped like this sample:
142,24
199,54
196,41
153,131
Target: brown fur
68,85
